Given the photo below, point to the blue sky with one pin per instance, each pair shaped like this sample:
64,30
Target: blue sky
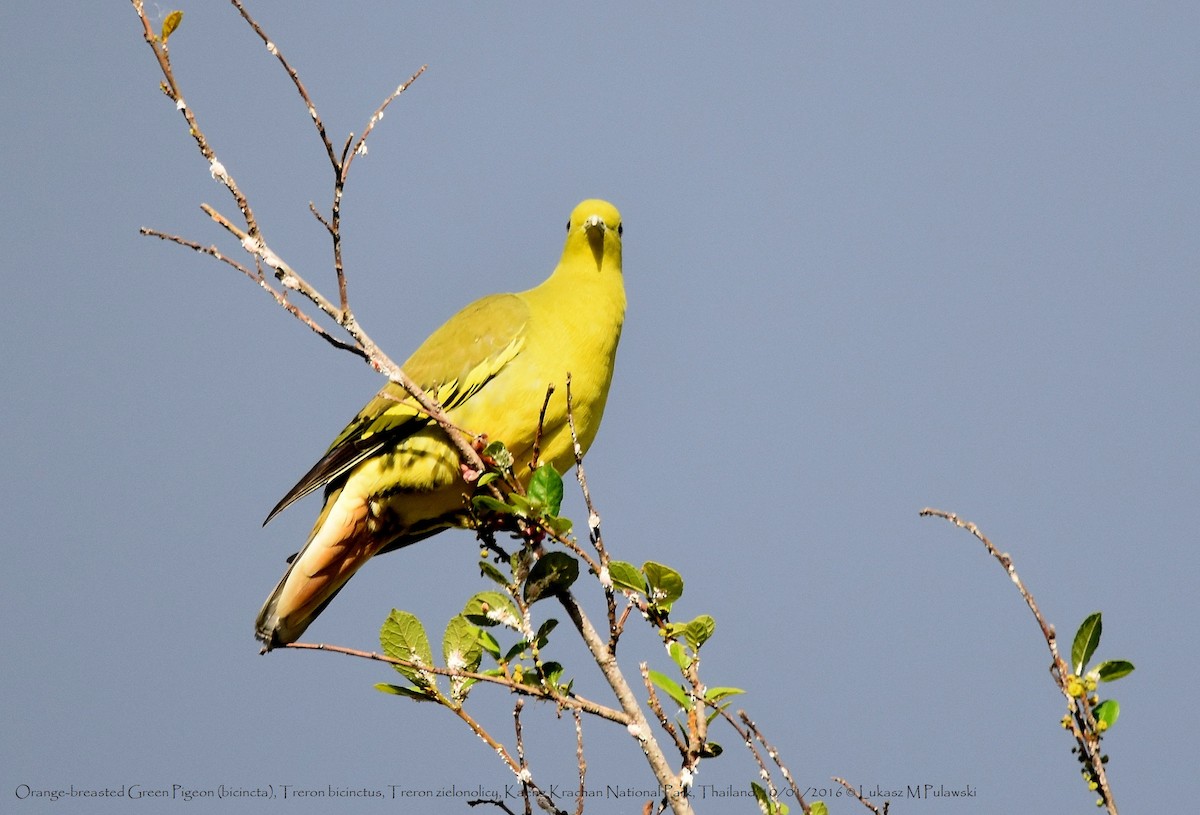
879,256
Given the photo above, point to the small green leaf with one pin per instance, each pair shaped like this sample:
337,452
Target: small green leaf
558,524
671,631
626,576
498,453
403,637
460,644
400,690
171,23
489,570
551,673
818,808
1107,712
711,749
717,694
1114,669
699,631
488,608
1086,640
764,800
672,689
554,572
515,652
493,504
666,584
488,643
520,505
487,478
543,632
546,490
676,652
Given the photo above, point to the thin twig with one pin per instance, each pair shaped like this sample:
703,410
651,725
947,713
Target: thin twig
864,801
573,702
656,706
1060,670
610,602
541,425
253,242
170,87
772,752
638,727
280,298
581,761
524,773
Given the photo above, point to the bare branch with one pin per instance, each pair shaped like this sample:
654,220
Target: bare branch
774,754
581,761
864,801
280,298
597,540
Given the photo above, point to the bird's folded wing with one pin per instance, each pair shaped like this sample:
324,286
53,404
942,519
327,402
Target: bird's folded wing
457,360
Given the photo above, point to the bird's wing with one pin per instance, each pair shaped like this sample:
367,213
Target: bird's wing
453,364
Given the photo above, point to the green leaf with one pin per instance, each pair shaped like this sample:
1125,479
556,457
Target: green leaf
403,637
1107,712
699,631
711,749
489,570
671,631
516,651
487,478
460,644
171,23
672,688
559,525
521,505
400,690
554,572
666,584
818,808
676,652
543,632
488,608
1086,640
546,490
767,805
488,643
1114,669
717,694
498,453
626,576
551,673
493,504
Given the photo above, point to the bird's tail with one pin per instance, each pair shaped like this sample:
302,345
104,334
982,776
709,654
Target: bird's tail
339,546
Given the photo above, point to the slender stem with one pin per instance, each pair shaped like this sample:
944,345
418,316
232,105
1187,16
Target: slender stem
639,727
1060,670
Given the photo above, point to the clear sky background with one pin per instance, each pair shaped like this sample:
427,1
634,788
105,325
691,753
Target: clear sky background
879,256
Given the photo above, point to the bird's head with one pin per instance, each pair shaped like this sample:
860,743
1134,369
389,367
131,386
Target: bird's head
595,228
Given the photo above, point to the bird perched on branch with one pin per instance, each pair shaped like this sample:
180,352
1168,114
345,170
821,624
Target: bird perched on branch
393,476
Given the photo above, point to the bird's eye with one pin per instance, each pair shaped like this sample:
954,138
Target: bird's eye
620,230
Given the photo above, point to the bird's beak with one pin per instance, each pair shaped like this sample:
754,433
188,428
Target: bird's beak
595,229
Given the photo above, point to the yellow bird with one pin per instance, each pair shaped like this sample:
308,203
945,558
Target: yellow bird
392,476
